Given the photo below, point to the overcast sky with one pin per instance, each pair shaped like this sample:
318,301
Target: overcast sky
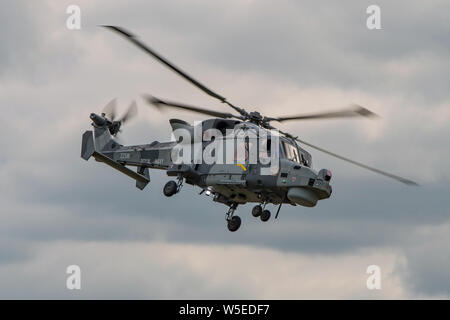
277,57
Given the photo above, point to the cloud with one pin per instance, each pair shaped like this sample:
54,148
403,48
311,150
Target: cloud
282,59
179,271
426,272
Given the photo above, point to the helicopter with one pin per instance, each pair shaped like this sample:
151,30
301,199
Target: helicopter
287,178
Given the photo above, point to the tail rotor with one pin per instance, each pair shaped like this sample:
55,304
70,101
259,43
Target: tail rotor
109,113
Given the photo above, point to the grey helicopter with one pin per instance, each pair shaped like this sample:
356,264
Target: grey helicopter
288,178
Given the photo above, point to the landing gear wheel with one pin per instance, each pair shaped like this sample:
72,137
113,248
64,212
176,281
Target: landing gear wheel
170,188
256,211
265,215
234,223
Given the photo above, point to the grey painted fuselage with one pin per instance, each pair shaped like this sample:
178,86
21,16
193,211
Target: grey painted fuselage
294,181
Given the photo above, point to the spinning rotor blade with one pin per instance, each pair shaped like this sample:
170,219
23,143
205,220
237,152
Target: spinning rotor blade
110,110
402,180
160,104
170,65
354,111
131,113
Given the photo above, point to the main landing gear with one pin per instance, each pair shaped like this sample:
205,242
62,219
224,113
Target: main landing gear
258,211
172,187
233,222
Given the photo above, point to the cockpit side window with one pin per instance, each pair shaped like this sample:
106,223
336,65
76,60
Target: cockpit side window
305,158
291,152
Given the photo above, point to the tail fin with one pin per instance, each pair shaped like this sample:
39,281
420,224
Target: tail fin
99,141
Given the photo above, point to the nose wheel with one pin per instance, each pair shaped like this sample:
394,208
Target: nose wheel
265,215
259,211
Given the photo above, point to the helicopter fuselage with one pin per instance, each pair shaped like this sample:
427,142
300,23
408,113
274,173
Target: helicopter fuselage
290,179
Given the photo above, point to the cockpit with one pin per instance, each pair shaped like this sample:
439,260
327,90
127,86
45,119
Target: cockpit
292,152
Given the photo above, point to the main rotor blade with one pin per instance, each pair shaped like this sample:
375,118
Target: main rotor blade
353,111
110,109
160,103
390,175
170,65
131,113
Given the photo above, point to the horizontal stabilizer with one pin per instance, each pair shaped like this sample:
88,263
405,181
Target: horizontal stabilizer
88,149
141,180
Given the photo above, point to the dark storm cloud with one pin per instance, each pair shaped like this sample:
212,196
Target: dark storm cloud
427,271
310,43
50,195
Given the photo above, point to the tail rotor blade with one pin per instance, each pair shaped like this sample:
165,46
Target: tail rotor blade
110,110
131,112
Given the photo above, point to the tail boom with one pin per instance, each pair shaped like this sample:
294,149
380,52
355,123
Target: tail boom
101,145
